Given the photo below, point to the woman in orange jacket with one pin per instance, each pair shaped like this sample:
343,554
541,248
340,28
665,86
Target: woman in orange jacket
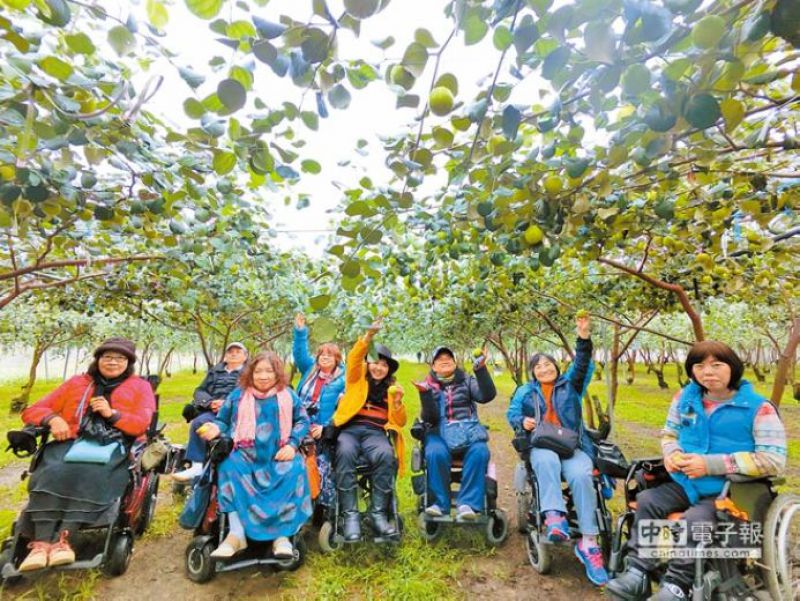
370,410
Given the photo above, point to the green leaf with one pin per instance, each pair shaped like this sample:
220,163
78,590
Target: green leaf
205,9
503,38
362,9
240,30
415,58
733,112
475,29
80,43
265,51
526,34
121,40
315,45
157,14
310,166
512,117
54,12
55,67
424,37
350,269
232,94
190,77
555,62
318,303
324,328
339,97
677,68
243,76
702,111
223,162
310,119
599,41
193,108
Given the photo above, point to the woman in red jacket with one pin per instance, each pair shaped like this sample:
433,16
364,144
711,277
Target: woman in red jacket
107,404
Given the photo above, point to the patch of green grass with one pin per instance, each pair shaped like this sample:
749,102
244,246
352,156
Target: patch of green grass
76,586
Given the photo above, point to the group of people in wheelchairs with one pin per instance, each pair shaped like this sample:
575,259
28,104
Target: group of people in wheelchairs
264,460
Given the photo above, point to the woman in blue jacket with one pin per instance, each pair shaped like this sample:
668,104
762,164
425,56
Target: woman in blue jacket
321,385
559,403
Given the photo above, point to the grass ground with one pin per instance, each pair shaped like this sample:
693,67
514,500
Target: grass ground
415,569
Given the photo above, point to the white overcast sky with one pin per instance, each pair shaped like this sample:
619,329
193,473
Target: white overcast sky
371,113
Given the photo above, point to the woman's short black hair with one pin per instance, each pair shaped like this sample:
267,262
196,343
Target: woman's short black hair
700,351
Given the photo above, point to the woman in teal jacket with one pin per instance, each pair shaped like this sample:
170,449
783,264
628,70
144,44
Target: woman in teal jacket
321,384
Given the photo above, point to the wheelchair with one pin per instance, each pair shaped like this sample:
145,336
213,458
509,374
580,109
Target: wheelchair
493,520
331,537
530,521
213,528
108,542
774,576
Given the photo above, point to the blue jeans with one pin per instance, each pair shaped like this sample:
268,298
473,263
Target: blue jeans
473,474
577,473
197,447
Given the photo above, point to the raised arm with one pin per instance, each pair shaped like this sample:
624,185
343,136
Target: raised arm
302,357
481,387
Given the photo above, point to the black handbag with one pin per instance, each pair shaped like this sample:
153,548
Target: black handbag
561,440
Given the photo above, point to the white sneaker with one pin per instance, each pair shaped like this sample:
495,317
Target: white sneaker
465,513
282,548
189,474
229,547
434,511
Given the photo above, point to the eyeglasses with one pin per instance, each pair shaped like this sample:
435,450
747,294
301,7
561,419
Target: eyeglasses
114,358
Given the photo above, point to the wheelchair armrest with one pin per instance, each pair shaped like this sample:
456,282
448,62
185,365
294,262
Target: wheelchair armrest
23,443
220,448
521,442
418,430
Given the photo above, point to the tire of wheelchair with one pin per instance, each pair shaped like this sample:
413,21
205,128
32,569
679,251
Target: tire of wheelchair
327,538
199,564
290,565
538,552
148,506
497,528
777,574
429,530
119,554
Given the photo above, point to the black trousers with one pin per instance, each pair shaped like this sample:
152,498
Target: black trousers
371,444
656,504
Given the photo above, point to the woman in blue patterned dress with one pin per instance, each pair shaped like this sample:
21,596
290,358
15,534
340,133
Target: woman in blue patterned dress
263,486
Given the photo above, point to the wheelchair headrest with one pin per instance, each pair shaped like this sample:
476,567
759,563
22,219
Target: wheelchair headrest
154,380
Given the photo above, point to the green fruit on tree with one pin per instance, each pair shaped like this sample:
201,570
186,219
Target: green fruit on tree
497,258
484,208
533,235
553,184
665,209
477,352
705,261
702,111
785,20
660,117
636,79
400,76
441,101
708,31
393,390
581,313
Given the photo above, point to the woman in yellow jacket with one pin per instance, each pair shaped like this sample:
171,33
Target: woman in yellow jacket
367,414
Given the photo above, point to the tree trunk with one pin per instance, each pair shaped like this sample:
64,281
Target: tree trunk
785,362
19,403
66,363
613,374
598,372
164,363
630,360
759,374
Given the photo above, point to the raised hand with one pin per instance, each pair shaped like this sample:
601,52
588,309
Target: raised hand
583,324
300,321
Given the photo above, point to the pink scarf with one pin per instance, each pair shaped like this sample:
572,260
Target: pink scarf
244,435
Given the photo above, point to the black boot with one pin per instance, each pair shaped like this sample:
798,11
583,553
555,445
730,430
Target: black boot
380,521
348,507
632,585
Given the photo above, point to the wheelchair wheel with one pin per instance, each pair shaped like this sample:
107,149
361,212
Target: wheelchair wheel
782,524
523,506
199,565
180,490
538,552
119,555
430,530
290,565
327,538
7,556
497,528
148,505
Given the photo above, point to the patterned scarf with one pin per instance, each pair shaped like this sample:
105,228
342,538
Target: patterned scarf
244,435
311,388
